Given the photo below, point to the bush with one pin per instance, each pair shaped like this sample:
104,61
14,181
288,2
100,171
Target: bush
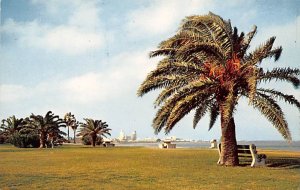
3,139
88,141
58,141
25,140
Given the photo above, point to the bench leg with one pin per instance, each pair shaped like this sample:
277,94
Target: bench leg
219,151
256,161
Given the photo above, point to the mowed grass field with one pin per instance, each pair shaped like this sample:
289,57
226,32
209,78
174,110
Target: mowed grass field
79,167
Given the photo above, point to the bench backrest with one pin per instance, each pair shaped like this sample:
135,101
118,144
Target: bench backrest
242,149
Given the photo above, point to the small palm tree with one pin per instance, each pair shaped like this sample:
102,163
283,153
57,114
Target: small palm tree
207,68
46,126
69,118
94,128
11,125
74,126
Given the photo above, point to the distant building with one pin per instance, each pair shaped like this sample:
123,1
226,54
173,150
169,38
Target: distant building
133,136
124,137
172,138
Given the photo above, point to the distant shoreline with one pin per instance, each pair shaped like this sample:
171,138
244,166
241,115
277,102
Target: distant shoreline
268,145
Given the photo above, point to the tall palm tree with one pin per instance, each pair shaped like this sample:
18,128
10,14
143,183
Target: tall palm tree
207,68
74,126
69,119
11,125
94,128
47,125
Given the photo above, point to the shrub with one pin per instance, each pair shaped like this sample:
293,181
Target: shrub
4,138
28,140
99,141
86,140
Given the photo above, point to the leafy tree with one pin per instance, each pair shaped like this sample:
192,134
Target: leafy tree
18,134
25,139
3,137
207,68
94,129
11,125
46,126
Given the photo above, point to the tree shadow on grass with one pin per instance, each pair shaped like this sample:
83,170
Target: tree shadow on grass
277,162
284,162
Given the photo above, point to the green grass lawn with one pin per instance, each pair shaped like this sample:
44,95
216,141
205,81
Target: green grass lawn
78,167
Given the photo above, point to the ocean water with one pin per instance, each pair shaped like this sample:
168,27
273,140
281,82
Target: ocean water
270,145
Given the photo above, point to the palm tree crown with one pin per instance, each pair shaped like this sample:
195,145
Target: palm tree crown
45,125
94,128
11,125
207,68
70,120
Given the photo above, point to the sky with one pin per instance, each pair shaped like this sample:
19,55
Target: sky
89,57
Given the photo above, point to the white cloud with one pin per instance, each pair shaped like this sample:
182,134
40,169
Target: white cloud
70,40
86,15
121,78
163,16
81,32
128,70
12,93
66,39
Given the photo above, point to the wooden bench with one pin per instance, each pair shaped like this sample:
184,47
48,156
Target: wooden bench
248,151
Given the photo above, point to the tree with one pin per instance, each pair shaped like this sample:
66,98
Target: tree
94,128
16,132
11,125
46,127
3,137
74,126
206,68
69,118
25,139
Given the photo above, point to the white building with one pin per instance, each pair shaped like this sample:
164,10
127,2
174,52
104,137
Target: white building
133,136
122,136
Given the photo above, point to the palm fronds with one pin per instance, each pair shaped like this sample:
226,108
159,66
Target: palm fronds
284,74
206,68
94,127
272,111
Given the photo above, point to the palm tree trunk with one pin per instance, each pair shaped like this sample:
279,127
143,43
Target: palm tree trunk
94,137
229,154
42,140
68,135
74,136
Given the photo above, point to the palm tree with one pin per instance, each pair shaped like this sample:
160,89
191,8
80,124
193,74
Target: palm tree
94,128
207,68
69,118
74,126
46,126
11,125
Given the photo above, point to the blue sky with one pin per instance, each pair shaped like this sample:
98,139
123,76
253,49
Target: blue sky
89,57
